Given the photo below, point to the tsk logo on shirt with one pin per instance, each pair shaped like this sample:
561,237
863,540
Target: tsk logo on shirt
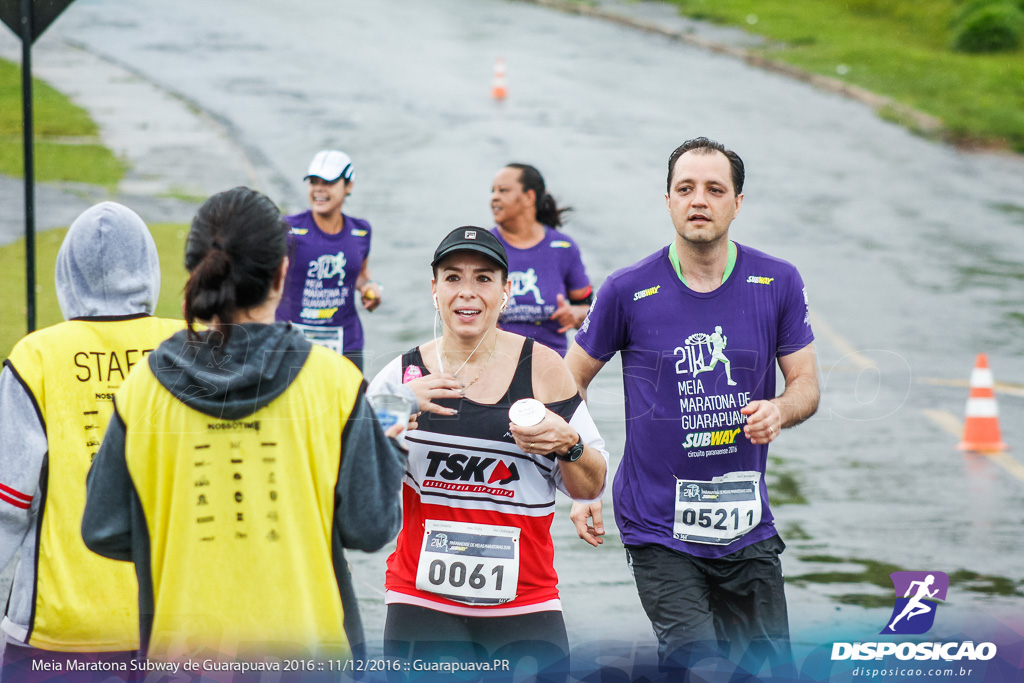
469,473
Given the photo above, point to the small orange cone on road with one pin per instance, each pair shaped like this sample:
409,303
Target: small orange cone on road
499,86
981,426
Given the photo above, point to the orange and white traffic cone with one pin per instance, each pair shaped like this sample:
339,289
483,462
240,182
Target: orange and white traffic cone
499,86
981,426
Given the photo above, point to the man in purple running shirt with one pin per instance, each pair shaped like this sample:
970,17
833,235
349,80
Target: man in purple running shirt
701,325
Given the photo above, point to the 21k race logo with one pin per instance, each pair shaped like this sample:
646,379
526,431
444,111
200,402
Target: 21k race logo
914,612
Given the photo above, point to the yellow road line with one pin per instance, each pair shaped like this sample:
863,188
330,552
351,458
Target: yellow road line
822,329
1008,464
999,387
946,421
952,425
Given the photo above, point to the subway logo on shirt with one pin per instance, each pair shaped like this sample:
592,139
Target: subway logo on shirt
718,438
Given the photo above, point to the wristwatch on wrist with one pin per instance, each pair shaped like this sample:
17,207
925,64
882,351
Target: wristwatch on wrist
574,453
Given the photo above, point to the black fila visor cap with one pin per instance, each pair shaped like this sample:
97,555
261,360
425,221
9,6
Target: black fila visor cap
470,238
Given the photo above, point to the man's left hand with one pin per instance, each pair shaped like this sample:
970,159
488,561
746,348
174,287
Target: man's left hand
764,420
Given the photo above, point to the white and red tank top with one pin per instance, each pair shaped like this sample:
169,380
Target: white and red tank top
477,509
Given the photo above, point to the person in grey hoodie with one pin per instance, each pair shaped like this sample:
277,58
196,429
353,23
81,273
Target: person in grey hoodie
240,461
55,399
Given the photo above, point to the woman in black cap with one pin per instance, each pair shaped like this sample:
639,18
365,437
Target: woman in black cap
473,576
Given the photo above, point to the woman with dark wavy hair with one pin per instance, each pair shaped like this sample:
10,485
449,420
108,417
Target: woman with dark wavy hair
550,288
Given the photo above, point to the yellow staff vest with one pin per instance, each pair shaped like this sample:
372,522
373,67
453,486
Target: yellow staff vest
240,515
83,602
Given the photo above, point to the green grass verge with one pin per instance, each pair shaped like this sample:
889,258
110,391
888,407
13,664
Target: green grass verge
67,144
898,49
170,243
877,574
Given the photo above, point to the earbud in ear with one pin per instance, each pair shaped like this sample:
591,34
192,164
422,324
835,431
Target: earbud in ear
437,307
504,300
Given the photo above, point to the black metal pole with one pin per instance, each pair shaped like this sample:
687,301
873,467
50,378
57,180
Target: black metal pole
30,200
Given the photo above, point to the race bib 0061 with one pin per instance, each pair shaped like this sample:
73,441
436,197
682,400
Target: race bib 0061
476,564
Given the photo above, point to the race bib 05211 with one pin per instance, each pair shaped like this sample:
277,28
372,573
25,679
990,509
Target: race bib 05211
719,511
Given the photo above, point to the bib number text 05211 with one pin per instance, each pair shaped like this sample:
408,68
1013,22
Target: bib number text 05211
718,511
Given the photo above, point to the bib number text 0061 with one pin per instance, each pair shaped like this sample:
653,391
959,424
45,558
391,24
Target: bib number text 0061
455,575
476,564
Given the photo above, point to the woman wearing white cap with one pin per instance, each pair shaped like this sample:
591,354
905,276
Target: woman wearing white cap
330,262
473,573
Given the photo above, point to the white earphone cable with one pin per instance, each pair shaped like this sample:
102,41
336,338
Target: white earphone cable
439,340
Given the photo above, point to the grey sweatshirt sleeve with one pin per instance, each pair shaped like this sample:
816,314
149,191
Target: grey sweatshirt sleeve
21,460
368,509
107,522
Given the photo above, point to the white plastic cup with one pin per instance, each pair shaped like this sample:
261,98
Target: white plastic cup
527,412
391,410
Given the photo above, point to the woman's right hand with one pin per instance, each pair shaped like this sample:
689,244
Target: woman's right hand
431,387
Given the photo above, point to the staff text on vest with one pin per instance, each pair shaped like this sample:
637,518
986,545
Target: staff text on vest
105,364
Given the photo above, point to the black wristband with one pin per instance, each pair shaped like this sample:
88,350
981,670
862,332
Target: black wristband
588,299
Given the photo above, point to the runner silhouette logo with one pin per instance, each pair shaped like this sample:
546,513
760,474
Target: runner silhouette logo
916,596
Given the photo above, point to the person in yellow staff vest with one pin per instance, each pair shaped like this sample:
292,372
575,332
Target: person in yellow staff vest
55,400
239,462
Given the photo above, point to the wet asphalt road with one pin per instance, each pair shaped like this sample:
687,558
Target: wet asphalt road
911,250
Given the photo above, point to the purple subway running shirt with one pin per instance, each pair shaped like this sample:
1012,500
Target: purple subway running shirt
538,275
690,361
320,289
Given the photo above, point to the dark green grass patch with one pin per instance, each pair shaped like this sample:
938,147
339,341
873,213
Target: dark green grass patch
170,242
902,50
67,144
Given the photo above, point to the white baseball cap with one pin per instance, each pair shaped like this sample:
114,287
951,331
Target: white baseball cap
330,164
